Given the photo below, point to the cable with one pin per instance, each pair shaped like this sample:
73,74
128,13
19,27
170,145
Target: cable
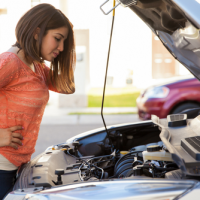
89,165
79,159
104,87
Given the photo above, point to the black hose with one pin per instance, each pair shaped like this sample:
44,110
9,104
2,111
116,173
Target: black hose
129,160
122,169
125,156
162,169
171,165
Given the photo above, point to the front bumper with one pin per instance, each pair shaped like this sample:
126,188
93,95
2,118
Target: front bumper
148,107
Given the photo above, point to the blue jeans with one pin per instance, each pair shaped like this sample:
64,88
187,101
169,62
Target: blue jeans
7,180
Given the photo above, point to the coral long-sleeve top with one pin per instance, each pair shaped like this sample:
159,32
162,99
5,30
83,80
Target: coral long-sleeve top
23,97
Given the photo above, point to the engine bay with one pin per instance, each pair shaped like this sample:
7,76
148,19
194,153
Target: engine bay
94,157
61,167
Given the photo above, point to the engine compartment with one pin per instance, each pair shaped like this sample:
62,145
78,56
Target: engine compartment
62,167
98,156
127,164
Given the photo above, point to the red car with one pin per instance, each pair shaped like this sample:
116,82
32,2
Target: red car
170,98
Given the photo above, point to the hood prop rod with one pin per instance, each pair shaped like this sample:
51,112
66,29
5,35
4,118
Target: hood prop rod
102,104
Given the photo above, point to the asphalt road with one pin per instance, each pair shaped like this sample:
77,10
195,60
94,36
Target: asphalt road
56,134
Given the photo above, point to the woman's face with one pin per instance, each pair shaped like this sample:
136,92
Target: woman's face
53,43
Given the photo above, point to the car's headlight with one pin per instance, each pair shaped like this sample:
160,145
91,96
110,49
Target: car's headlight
157,92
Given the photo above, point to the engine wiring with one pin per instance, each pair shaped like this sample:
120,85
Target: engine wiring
130,164
90,165
78,158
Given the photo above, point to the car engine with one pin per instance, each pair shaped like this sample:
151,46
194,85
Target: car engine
155,162
97,156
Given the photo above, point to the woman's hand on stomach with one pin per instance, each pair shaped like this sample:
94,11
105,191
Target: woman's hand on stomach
8,137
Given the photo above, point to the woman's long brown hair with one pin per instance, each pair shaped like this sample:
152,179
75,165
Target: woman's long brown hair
47,17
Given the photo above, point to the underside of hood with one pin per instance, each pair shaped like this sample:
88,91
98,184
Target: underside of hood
176,23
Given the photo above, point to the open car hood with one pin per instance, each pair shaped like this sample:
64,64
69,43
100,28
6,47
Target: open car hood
177,24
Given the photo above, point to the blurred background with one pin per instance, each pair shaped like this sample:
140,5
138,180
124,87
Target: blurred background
137,60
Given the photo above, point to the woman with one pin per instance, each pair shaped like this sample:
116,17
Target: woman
43,33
